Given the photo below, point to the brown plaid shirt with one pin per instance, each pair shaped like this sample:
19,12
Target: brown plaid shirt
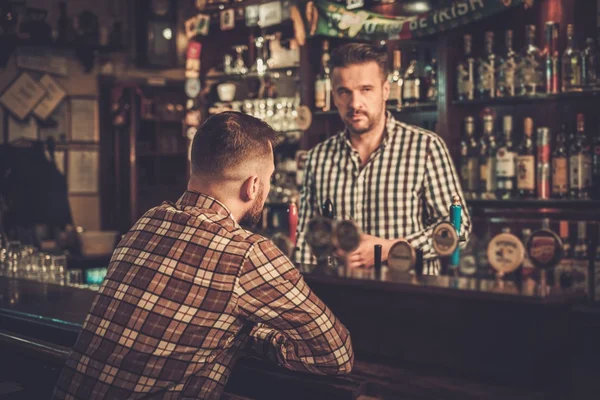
187,292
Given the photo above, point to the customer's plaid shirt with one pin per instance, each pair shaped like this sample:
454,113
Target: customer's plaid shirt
405,188
187,292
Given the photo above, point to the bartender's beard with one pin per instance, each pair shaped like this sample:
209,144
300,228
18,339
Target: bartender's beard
365,124
252,217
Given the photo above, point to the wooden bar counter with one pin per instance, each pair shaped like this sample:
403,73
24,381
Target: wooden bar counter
431,338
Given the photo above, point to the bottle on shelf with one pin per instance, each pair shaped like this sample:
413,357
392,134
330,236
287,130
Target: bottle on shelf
470,160
580,163
486,70
411,93
590,64
323,81
596,269
507,69
563,271
543,163
430,84
571,63
465,72
552,56
526,162
63,23
581,260
531,67
595,192
395,80
487,160
560,166
506,162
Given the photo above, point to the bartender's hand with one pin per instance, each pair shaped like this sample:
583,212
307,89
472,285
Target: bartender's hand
364,255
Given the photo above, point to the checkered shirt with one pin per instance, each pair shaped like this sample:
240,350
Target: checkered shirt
403,191
188,292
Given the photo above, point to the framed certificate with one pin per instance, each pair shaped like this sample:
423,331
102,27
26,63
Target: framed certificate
22,96
82,171
54,95
84,119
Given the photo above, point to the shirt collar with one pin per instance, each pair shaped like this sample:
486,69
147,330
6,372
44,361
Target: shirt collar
390,127
203,201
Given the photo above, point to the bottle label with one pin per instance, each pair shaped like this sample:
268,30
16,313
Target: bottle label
320,93
559,175
473,169
483,177
394,90
576,171
526,172
505,163
411,89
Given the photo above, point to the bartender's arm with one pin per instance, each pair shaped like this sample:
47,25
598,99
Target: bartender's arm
306,211
440,184
294,328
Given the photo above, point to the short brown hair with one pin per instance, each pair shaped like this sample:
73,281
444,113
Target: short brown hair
358,53
227,139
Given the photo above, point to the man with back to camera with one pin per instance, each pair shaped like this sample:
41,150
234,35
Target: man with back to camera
188,291
396,181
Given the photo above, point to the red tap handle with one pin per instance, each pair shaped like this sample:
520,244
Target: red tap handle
293,221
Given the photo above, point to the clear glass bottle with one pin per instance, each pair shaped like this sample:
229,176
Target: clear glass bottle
560,165
526,163
590,64
323,81
487,161
580,163
508,69
395,80
430,86
486,70
531,67
506,158
470,160
465,72
571,63
411,92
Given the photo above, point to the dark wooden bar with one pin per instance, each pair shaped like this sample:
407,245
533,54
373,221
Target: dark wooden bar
413,339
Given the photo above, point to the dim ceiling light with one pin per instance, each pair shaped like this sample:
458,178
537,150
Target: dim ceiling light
418,6
168,33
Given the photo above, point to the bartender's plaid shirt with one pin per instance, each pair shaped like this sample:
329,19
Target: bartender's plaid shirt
403,191
187,291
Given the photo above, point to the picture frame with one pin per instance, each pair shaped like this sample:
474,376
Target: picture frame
22,96
83,119
82,171
54,96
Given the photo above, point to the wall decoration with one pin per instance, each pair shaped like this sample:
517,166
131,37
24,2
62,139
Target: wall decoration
22,96
83,171
84,119
269,14
26,129
54,95
227,19
42,59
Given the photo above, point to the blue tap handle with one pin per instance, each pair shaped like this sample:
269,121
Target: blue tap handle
455,220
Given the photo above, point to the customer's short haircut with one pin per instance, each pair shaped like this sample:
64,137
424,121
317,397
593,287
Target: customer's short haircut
359,53
228,139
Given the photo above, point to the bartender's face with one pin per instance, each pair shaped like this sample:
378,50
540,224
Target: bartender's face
359,93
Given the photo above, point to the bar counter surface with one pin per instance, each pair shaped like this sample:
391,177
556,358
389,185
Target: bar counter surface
426,338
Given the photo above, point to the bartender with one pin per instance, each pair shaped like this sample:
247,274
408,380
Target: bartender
395,180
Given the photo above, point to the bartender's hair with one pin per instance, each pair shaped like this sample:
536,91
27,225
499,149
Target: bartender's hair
358,53
227,139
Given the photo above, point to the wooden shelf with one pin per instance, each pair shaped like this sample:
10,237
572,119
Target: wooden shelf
542,98
273,72
565,205
419,107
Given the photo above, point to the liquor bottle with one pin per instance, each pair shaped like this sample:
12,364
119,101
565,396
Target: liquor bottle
411,92
581,261
560,166
63,23
395,79
526,163
565,267
528,267
465,73
571,64
596,269
487,160
543,163
486,70
506,162
470,160
430,84
551,54
595,192
323,81
508,68
531,67
590,64
580,163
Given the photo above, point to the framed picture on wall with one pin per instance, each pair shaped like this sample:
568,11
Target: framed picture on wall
54,96
83,113
22,96
82,171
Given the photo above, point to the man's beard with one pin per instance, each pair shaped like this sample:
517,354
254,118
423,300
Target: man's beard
365,129
252,217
